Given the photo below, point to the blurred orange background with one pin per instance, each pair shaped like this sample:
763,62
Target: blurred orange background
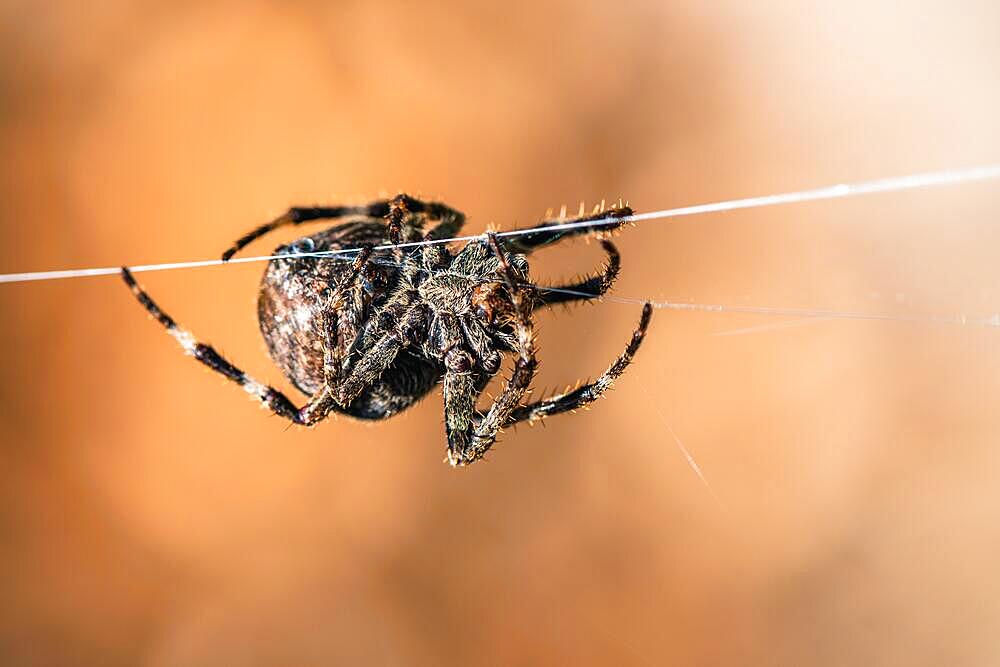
152,515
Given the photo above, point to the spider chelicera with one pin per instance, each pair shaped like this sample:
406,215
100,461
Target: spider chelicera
370,337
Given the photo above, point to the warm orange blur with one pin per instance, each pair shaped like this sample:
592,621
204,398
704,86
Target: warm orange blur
151,514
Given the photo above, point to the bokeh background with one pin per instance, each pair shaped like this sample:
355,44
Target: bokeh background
151,514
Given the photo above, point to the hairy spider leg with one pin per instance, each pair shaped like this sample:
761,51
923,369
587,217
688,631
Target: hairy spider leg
301,214
392,210
400,304
366,371
587,393
538,236
380,356
517,386
403,207
271,398
435,255
382,321
589,287
459,387
333,351
450,219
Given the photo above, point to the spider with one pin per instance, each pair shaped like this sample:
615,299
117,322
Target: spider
370,337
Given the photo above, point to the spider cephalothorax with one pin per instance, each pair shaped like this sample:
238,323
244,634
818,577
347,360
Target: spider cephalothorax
370,336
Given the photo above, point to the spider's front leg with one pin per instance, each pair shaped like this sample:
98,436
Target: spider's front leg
460,393
462,385
485,432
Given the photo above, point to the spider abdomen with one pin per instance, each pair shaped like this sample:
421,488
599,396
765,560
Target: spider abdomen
293,295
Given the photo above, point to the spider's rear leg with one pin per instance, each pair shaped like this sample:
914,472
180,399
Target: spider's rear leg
589,288
271,398
299,214
590,392
552,231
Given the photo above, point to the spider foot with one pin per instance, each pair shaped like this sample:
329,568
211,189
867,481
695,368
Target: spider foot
472,452
454,459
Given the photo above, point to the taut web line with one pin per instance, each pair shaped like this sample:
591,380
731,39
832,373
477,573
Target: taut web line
893,184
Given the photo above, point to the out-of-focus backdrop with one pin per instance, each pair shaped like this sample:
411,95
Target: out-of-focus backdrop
151,514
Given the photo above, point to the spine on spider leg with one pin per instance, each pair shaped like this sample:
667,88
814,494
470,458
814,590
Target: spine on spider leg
526,240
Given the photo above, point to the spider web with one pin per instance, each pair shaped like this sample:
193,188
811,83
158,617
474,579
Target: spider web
884,185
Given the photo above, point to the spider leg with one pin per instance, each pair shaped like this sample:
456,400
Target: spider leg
459,413
450,221
408,213
436,255
510,396
298,215
459,388
462,384
587,393
367,370
589,288
333,351
538,236
271,398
